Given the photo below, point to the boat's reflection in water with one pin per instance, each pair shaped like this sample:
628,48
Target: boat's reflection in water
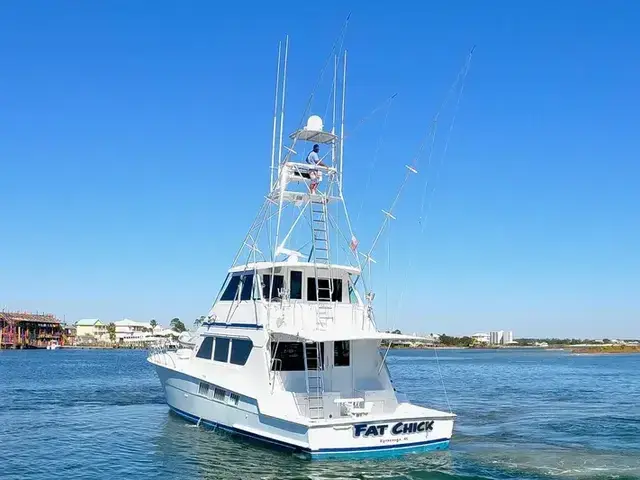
196,452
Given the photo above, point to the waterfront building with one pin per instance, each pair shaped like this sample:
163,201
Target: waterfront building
507,338
481,338
69,334
495,338
127,329
29,330
91,329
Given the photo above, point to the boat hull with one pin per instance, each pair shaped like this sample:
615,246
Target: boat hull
355,438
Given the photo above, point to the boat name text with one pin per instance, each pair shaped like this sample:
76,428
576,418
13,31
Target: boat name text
367,430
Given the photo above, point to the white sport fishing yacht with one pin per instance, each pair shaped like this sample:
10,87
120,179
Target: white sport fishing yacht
290,354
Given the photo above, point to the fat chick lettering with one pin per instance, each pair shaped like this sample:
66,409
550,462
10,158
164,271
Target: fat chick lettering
366,430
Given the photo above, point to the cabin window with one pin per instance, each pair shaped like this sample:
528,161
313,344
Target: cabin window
341,353
203,389
205,349
219,394
234,398
247,287
222,349
295,285
352,294
288,356
312,355
240,350
323,290
231,292
336,295
278,283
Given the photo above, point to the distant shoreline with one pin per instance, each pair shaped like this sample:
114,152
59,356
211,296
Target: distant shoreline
609,349
589,350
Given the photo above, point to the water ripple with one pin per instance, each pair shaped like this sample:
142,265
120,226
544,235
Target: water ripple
78,414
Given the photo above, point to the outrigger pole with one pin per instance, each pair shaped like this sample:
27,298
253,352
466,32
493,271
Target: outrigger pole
344,93
275,116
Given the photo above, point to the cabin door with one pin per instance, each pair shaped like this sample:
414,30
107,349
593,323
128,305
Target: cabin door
328,366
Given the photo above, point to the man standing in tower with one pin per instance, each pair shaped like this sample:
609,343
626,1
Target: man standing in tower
314,159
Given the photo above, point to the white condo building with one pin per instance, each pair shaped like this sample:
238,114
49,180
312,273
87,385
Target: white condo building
507,338
495,338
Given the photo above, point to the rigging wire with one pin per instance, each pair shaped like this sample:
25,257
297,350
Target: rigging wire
377,151
460,79
364,119
386,313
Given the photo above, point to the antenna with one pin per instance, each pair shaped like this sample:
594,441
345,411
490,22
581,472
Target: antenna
284,92
344,92
333,120
275,115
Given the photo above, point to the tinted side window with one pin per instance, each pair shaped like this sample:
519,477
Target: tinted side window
312,296
240,350
352,295
322,290
222,349
205,348
341,353
231,292
247,287
289,356
336,295
295,285
278,282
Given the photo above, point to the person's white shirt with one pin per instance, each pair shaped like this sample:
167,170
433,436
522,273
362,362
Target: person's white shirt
313,158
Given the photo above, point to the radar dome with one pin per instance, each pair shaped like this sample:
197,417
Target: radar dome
314,123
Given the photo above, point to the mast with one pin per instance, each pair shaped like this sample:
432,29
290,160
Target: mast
344,92
275,116
284,93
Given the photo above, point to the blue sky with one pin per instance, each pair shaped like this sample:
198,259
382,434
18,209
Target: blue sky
135,144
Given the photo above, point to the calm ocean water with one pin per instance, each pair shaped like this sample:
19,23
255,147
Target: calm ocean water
79,414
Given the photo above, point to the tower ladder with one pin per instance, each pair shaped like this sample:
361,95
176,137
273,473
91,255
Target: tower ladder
315,381
322,260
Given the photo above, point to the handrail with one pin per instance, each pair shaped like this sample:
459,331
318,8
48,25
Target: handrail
159,354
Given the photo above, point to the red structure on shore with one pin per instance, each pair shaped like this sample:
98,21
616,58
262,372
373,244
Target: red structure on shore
29,330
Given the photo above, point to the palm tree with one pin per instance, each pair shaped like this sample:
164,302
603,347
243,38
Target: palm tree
111,330
153,324
177,325
199,321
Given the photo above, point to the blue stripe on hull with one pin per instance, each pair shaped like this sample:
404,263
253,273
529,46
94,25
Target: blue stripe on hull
234,431
325,453
381,450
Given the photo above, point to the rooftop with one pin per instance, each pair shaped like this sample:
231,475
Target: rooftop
131,323
88,322
29,317
288,264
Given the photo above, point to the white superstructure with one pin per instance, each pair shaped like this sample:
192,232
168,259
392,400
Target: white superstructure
290,354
